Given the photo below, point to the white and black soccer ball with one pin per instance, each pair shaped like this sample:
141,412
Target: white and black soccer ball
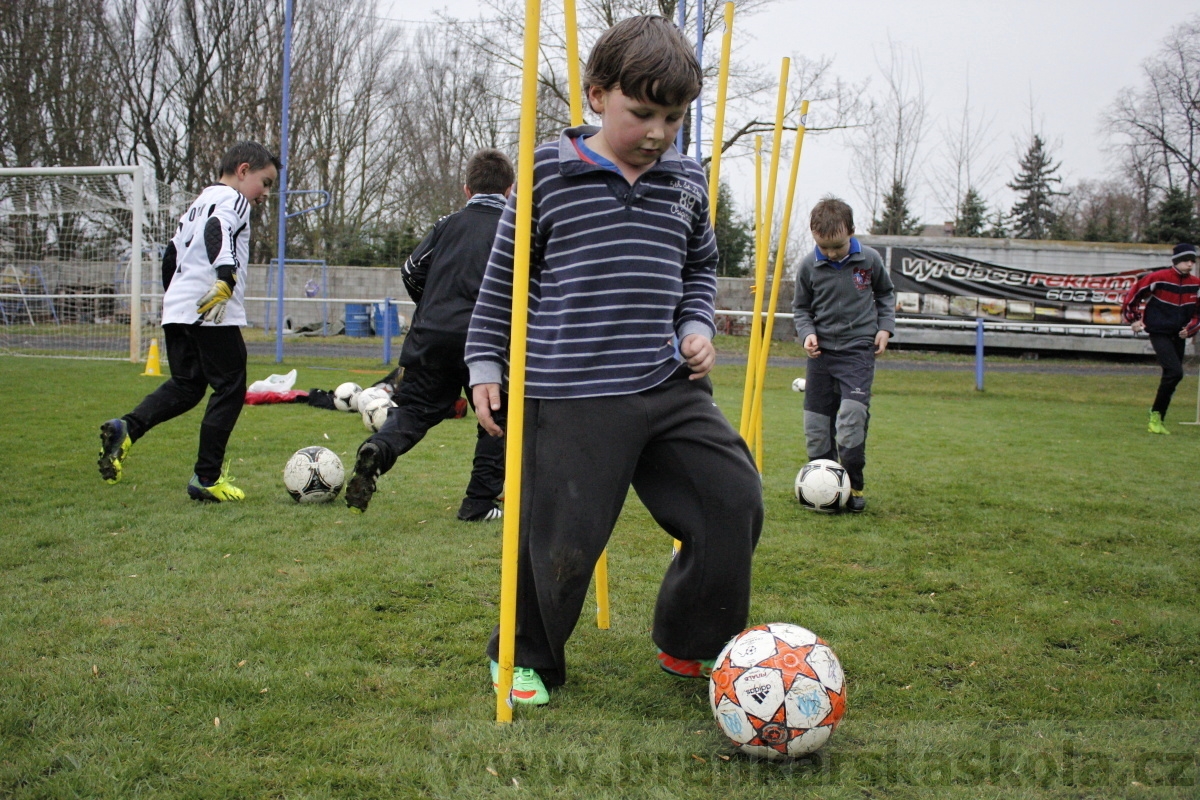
365,396
823,485
345,396
777,691
376,412
314,475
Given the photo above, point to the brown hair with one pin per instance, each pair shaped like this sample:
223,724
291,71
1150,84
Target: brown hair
489,172
831,216
252,153
648,59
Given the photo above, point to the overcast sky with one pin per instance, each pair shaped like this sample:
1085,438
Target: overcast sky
1057,62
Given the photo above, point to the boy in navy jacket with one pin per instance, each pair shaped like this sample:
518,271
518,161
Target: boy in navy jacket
622,281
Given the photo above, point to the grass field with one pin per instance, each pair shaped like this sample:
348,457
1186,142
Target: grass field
1017,612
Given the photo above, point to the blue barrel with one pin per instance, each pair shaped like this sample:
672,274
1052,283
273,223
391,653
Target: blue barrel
377,319
358,320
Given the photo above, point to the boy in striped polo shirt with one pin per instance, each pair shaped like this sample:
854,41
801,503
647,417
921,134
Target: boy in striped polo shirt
622,283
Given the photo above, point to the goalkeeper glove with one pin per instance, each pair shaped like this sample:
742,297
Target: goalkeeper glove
211,307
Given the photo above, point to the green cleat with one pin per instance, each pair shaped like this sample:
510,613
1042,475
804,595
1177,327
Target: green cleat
527,688
114,445
1156,424
221,490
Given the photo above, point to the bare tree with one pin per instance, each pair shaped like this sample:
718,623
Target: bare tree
1158,125
965,163
887,147
58,104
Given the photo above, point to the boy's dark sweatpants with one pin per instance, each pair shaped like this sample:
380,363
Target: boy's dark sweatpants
199,357
837,406
425,395
1168,348
690,469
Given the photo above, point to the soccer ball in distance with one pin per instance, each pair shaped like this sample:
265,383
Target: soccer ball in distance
345,396
369,394
314,475
798,385
375,413
777,691
823,485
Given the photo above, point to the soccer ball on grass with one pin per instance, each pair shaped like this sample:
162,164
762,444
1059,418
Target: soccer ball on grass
314,475
375,413
366,396
345,396
777,691
823,485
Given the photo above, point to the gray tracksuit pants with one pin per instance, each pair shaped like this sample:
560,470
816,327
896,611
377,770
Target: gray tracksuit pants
837,401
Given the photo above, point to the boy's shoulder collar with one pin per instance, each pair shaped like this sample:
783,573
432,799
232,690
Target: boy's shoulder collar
570,163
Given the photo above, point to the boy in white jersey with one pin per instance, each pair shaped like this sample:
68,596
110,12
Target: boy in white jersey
203,312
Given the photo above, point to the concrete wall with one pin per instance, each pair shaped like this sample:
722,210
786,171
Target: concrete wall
372,284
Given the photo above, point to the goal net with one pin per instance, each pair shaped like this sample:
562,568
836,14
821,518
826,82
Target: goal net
79,249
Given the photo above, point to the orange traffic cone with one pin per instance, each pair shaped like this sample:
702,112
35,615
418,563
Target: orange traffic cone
153,365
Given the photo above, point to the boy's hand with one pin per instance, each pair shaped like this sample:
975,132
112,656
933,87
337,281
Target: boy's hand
486,399
699,353
212,305
881,340
810,345
1137,326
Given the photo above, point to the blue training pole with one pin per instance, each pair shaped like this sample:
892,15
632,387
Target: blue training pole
281,244
979,355
699,58
682,20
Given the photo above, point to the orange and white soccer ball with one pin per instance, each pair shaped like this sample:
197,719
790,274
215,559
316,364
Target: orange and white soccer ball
777,691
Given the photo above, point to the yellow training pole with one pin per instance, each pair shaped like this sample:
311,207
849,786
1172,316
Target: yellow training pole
779,257
575,98
718,142
760,266
751,354
516,367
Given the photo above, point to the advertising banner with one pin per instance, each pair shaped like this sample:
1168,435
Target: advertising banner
932,283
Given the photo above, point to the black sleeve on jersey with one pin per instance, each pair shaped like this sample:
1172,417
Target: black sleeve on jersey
168,265
416,267
213,239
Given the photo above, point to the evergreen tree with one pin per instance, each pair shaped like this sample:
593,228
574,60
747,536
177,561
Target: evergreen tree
972,215
897,220
1175,219
998,226
1033,215
735,236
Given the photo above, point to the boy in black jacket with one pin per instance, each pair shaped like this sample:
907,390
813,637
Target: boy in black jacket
442,276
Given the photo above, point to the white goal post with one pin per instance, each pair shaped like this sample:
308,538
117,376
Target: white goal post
73,247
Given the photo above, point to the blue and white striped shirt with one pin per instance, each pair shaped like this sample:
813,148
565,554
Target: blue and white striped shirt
618,274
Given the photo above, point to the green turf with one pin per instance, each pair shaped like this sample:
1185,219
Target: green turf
1017,611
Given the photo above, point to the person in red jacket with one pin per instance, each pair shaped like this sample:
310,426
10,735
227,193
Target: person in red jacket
1163,304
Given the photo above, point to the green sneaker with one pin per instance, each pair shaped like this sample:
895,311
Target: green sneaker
114,445
1156,423
220,491
527,688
